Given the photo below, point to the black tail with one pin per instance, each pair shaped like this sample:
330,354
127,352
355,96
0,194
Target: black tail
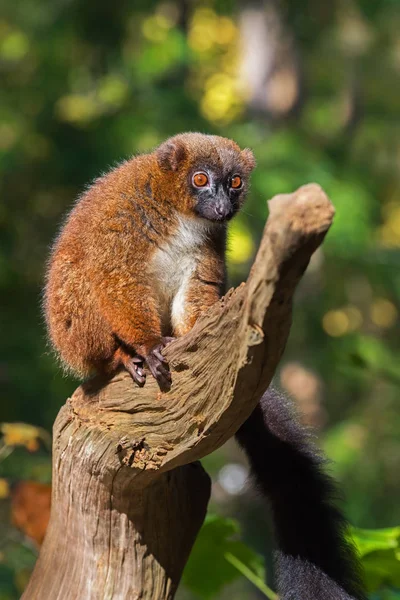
314,560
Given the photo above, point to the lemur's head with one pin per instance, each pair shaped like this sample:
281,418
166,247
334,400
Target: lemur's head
211,174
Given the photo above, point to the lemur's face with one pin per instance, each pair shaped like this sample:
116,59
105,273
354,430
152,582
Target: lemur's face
213,173
218,193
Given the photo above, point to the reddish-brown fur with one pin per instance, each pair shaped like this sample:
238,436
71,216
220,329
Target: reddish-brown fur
100,301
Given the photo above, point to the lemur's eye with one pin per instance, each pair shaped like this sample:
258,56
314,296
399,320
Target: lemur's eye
236,182
200,179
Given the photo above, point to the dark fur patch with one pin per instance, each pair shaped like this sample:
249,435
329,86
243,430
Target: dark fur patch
315,561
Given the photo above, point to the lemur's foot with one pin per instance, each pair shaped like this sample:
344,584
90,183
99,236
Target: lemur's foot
158,366
133,363
155,361
134,366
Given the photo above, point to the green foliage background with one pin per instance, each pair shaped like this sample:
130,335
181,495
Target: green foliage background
86,83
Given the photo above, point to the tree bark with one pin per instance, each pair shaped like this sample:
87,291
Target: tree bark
128,497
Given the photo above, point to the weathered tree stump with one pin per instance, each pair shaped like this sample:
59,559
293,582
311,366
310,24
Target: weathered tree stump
128,497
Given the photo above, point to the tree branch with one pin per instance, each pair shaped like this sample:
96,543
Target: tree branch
127,499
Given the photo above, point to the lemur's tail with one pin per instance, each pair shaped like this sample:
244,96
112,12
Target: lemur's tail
314,559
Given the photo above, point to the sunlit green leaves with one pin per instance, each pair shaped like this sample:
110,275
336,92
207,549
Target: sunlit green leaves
372,356
223,557
380,553
219,554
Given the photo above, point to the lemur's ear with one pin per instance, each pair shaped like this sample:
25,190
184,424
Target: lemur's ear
171,154
248,159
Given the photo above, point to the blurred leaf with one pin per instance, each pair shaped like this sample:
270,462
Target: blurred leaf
387,595
20,464
30,508
7,589
380,553
22,434
370,540
21,579
216,553
4,488
18,556
247,572
372,355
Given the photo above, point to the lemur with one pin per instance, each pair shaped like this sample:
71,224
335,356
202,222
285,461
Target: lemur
140,257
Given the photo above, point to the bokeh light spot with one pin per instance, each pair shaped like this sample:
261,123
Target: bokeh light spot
14,46
156,27
241,245
336,323
383,313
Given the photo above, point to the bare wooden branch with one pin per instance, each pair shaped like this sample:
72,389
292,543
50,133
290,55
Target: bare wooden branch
128,498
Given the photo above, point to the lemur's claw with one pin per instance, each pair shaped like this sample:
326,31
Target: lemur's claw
134,366
158,366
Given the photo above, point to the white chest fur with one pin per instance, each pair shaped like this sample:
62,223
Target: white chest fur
174,265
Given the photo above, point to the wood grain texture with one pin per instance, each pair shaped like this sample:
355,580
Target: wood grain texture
128,497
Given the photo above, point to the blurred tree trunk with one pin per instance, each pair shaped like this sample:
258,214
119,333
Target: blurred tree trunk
270,64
